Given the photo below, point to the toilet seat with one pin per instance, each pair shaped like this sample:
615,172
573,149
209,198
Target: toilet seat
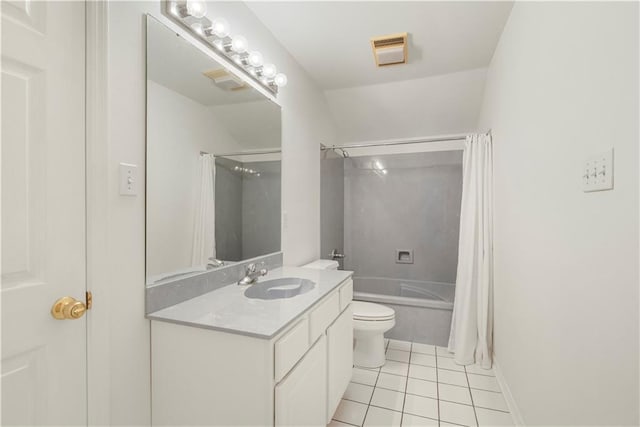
368,311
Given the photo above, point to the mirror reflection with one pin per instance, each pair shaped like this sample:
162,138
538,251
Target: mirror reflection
213,162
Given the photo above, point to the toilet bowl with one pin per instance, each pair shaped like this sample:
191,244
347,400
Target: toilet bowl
370,322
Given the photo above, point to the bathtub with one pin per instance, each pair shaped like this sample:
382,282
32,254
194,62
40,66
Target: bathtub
423,309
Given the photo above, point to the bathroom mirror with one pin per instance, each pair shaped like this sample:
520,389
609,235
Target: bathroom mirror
213,162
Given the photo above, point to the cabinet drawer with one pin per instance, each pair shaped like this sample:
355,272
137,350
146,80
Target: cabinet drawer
290,348
346,294
323,315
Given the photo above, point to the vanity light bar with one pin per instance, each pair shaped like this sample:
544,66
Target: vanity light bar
192,15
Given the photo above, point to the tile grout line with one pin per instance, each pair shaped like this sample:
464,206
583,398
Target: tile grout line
406,382
373,391
437,383
475,414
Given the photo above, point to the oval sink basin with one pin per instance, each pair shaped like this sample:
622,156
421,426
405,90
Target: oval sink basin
286,287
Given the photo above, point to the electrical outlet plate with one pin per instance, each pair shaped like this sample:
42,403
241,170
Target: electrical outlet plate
597,174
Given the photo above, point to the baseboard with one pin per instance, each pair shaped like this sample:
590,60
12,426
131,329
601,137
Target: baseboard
508,397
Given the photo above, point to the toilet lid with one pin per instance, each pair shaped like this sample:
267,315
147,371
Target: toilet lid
371,311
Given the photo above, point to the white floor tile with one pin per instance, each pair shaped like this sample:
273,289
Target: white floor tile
457,414
452,377
396,368
423,348
380,417
358,393
421,406
422,388
454,393
391,382
423,372
447,363
479,370
483,382
364,376
443,352
487,417
398,355
335,423
400,345
350,412
409,420
423,359
388,399
489,399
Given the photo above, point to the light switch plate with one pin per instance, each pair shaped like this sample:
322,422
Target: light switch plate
128,179
597,174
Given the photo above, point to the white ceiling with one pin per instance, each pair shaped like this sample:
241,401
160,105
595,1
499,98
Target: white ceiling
331,39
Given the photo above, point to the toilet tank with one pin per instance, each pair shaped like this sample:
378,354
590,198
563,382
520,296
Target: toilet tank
322,264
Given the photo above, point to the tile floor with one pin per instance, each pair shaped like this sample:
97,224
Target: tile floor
420,385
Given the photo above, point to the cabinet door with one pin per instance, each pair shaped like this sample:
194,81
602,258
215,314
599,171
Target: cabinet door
301,398
340,359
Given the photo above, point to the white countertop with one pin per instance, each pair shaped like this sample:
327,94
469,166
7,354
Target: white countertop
227,309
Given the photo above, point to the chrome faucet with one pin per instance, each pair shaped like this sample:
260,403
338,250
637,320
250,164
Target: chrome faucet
251,274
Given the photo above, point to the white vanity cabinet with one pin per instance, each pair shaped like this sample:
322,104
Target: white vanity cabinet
210,377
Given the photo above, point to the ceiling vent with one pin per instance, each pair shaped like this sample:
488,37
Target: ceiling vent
225,80
390,50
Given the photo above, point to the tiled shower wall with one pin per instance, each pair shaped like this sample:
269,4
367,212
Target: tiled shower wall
414,205
247,209
331,203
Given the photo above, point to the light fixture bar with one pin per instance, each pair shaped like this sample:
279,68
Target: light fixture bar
192,15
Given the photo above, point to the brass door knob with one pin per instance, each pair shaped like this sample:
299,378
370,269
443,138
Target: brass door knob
68,308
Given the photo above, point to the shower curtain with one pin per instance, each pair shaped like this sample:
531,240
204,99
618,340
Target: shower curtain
472,322
204,226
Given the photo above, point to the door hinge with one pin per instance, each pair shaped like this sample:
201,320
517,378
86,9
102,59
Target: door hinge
89,300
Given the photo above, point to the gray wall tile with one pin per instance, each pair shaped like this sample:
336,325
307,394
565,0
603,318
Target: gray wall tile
415,205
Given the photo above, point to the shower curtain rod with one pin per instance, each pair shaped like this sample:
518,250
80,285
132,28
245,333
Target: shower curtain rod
441,138
244,153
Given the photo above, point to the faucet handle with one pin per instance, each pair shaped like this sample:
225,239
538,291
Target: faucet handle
250,268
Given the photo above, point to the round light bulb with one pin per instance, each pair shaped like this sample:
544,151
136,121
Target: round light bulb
255,59
269,70
280,80
220,27
196,8
239,44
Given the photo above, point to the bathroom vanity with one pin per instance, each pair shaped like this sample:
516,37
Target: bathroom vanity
225,359
277,352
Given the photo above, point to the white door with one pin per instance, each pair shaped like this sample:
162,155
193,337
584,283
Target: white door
339,359
44,378
301,397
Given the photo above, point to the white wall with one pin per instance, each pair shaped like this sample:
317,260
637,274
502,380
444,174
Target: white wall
444,104
563,84
306,122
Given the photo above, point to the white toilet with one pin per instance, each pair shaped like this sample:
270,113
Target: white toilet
370,322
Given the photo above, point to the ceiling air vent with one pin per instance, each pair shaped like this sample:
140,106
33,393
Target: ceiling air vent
390,50
225,80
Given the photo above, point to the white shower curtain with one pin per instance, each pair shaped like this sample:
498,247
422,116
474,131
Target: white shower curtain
472,322
204,226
